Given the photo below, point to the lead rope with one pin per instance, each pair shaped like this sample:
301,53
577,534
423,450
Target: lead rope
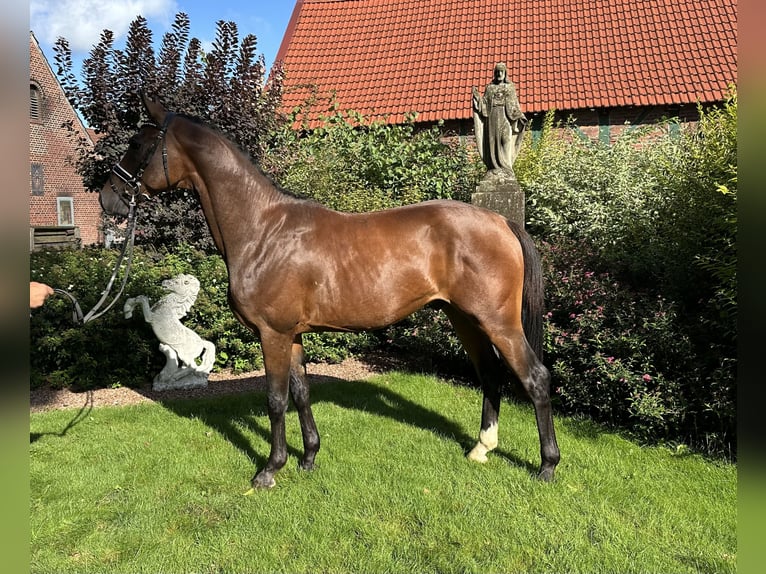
127,247
135,183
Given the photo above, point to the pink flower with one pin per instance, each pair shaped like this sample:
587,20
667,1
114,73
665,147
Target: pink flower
647,378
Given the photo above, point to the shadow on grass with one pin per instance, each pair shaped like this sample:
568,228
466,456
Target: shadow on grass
76,419
235,417
237,411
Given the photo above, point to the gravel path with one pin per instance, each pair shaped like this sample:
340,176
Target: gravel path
218,384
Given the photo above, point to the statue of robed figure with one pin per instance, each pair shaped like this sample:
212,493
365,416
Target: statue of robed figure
499,123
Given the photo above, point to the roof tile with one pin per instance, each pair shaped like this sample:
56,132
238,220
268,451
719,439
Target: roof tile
424,55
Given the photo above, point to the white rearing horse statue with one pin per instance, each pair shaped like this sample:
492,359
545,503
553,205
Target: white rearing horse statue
182,346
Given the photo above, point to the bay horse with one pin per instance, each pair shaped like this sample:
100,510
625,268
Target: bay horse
296,266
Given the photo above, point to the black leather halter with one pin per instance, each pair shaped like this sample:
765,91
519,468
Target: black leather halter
132,182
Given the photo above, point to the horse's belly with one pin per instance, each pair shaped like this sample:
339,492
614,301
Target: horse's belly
368,305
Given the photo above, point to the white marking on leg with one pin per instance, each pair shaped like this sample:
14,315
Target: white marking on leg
478,453
487,442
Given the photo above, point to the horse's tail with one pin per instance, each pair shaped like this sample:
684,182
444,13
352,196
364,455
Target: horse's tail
533,294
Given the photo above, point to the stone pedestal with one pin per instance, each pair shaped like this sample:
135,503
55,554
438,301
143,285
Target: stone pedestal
500,192
185,378
177,374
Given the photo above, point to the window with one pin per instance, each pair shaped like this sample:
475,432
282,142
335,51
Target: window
65,210
38,179
35,103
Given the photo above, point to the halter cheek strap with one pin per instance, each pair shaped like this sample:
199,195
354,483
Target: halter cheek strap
165,158
132,182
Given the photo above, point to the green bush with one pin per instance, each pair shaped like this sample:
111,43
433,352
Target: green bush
426,338
697,229
354,164
335,347
660,209
657,212
607,195
626,357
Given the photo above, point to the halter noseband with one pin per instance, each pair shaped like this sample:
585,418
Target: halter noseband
132,182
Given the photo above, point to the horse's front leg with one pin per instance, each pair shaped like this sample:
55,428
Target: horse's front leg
299,391
276,357
146,309
143,301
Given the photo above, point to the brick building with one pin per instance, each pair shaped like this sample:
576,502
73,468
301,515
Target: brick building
609,64
61,210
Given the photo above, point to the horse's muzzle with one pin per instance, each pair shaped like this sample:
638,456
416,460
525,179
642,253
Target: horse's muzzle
112,202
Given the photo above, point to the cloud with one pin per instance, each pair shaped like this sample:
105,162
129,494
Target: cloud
82,21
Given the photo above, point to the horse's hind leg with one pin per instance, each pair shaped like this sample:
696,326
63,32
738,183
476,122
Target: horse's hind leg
536,380
490,371
299,391
208,356
172,365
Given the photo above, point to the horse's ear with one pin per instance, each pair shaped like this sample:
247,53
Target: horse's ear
154,108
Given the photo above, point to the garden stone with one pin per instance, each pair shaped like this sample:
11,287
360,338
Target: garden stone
182,347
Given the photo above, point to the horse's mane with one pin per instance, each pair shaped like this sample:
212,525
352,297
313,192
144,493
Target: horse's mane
217,131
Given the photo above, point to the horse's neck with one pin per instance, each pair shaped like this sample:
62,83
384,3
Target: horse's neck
234,195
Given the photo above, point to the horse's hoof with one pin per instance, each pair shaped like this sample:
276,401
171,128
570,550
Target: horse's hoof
545,474
263,480
478,453
306,465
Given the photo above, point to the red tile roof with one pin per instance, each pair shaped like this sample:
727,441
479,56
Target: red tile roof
392,57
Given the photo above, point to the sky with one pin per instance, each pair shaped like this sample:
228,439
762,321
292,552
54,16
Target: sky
82,21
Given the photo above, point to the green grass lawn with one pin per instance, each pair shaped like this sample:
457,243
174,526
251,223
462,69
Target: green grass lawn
159,488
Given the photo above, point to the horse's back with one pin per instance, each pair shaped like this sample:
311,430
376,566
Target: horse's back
442,229
448,220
